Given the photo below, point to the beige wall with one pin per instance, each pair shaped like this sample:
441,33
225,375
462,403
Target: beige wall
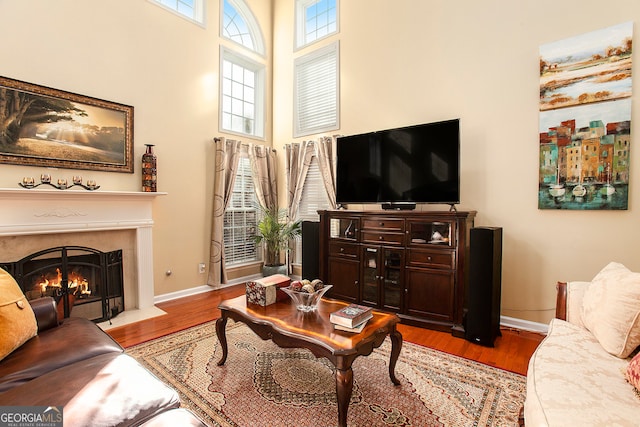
136,53
407,62
402,62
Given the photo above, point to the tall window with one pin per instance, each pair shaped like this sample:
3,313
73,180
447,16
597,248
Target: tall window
242,100
316,91
190,9
242,79
241,219
314,198
315,19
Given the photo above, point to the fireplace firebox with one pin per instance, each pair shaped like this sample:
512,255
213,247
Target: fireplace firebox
83,281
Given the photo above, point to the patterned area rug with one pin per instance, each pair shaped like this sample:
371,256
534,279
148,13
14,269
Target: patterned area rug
264,385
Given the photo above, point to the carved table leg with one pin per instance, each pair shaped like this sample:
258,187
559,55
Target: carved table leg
344,387
221,325
396,346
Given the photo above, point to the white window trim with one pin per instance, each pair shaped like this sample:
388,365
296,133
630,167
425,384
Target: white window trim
300,24
260,92
254,28
199,7
303,60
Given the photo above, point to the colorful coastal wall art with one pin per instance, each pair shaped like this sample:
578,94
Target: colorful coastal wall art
585,120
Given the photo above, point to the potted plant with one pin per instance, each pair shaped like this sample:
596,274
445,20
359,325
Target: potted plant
274,231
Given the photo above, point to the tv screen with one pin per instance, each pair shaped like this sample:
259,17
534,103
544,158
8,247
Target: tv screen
414,164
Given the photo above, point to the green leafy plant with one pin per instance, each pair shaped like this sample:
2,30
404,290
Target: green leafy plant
275,231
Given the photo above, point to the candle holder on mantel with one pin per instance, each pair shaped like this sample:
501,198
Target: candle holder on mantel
149,170
45,179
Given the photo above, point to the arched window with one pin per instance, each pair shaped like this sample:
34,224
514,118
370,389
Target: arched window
240,26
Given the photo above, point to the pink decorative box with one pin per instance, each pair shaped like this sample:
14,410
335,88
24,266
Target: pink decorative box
266,290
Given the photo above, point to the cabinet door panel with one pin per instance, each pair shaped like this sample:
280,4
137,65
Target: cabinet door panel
431,294
370,276
343,275
392,279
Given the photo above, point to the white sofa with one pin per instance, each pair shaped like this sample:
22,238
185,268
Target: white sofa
572,380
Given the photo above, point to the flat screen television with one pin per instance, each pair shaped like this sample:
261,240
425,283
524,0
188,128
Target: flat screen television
400,167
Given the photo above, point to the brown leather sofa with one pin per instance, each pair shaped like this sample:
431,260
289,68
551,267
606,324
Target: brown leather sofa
75,365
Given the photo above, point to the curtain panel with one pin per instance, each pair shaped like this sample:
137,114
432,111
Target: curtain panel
263,170
297,161
326,164
227,158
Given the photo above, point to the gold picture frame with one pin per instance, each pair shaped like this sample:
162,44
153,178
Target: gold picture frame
41,126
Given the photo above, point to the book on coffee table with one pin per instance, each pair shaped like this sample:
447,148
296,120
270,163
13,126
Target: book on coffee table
356,329
351,315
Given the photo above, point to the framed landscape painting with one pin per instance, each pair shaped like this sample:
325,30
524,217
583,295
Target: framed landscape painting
41,126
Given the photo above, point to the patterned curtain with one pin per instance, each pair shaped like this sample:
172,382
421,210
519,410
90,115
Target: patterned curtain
297,161
326,164
263,170
227,158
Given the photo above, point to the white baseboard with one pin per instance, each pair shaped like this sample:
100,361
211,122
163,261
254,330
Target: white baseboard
200,289
526,325
183,293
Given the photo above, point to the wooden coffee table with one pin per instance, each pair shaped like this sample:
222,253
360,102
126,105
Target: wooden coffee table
287,327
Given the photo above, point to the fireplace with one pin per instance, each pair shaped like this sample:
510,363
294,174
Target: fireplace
32,220
83,281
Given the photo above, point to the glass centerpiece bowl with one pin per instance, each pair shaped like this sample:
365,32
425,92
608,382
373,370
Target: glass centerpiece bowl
306,301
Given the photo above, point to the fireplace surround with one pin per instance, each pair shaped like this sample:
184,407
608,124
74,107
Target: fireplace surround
36,219
82,280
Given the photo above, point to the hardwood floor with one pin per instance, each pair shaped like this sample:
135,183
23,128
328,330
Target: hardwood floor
511,352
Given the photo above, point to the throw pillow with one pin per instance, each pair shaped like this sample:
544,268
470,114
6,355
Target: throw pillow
611,309
17,320
633,372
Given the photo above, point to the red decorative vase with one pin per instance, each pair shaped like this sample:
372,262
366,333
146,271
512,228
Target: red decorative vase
149,170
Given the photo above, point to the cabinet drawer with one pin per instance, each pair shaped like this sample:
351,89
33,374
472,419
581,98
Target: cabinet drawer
386,224
433,259
382,238
342,249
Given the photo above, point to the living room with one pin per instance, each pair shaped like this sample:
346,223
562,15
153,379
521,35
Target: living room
401,63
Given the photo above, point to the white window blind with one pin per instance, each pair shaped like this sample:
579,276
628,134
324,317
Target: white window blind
241,218
314,198
316,91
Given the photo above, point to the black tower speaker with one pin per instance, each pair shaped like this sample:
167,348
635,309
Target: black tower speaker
482,324
310,250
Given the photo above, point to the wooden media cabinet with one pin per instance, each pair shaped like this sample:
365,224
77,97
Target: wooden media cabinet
411,263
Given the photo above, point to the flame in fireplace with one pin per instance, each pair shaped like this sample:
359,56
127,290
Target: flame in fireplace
78,285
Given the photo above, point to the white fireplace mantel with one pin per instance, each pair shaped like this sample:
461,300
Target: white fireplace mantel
48,211
39,211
